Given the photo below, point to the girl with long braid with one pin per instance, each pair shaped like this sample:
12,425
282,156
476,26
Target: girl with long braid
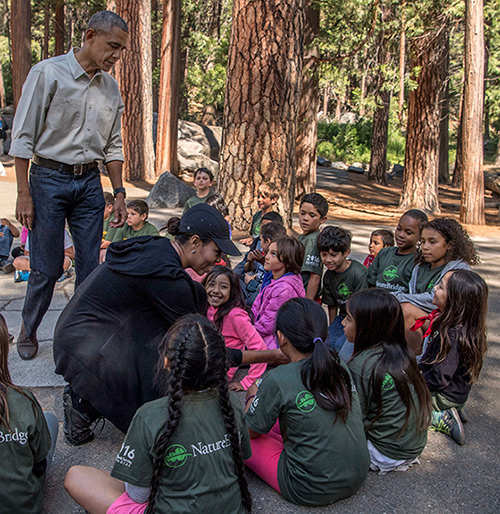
317,453
182,452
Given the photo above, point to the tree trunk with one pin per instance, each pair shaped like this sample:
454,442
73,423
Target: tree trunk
380,129
472,203
444,136
307,121
133,73
46,30
21,45
154,48
2,89
458,166
214,23
326,100
59,28
420,179
402,56
261,105
380,133
168,113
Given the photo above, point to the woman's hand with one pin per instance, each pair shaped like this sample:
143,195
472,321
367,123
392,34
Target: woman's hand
236,386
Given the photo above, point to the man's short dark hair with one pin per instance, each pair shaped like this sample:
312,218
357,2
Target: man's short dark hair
317,201
386,235
335,239
139,206
272,216
105,21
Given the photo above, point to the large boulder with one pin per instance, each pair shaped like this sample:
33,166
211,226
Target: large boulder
169,191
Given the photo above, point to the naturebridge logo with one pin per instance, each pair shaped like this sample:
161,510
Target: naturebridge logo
176,456
390,273
305,401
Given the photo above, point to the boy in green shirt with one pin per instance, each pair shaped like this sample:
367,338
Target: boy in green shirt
312,213
342,278
267,196
136,226
203,181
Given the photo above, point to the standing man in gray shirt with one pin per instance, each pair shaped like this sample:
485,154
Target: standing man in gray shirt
67,119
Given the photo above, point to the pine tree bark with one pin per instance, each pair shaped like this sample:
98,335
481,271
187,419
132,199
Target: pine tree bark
59,28
420,179
133,72
444,136
168,110
2,89
472,201
261,105
402,59
46,30
21,45
458,166
307,121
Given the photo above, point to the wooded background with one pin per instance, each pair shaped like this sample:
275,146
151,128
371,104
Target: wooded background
370,82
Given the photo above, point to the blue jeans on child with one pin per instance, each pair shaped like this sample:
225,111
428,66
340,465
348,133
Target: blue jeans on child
337,339
58,197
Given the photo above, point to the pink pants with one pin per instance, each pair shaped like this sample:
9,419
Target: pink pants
125,505
266,452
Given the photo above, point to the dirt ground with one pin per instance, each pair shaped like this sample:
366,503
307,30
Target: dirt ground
353,198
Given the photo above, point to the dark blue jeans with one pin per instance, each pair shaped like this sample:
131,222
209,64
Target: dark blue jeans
58,197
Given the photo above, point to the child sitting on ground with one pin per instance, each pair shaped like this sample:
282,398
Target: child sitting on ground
342,278
253,271
445,246
281,282
381,238
23,267
305,421
27,441
394,398
203,181
8,231
267,196
136,226
229,313
109,200
455,348
392,267
183,452
312,213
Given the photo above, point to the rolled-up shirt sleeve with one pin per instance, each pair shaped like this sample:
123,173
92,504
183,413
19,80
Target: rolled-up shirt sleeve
113,149
30,114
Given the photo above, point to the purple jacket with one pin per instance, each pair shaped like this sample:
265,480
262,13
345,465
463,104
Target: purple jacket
266,305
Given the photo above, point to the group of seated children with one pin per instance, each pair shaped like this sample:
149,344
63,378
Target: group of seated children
352,391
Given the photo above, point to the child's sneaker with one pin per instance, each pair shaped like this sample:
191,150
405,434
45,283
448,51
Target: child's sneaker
448,422
463,415
21,276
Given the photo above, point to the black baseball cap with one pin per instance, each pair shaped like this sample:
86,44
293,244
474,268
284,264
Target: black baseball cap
206,221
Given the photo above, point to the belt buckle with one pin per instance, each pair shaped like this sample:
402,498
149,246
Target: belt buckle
78,169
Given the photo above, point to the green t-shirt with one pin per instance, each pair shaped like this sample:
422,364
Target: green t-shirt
384,434
312,259
427,276
256,223
338,287
127,232
108,232
322,461
198,473
27,443
192,201
390,270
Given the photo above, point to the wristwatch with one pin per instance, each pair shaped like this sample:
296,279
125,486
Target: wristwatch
120,190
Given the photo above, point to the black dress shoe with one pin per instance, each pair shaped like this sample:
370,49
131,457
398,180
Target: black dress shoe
27,347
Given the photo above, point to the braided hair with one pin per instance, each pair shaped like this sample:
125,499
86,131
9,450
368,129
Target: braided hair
196,355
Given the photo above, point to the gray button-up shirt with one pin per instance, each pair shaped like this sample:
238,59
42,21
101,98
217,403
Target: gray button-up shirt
66,116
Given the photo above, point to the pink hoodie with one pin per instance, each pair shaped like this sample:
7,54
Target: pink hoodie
268,301
239,333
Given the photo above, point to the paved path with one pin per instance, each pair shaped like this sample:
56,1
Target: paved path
450,479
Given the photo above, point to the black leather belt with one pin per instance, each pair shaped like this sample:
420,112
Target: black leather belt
70,169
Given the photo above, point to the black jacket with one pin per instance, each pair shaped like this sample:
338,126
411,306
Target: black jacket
106,339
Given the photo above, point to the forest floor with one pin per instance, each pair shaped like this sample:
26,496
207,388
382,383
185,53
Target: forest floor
450,479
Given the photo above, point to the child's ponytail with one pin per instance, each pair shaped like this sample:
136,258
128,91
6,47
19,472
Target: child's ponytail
303,322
